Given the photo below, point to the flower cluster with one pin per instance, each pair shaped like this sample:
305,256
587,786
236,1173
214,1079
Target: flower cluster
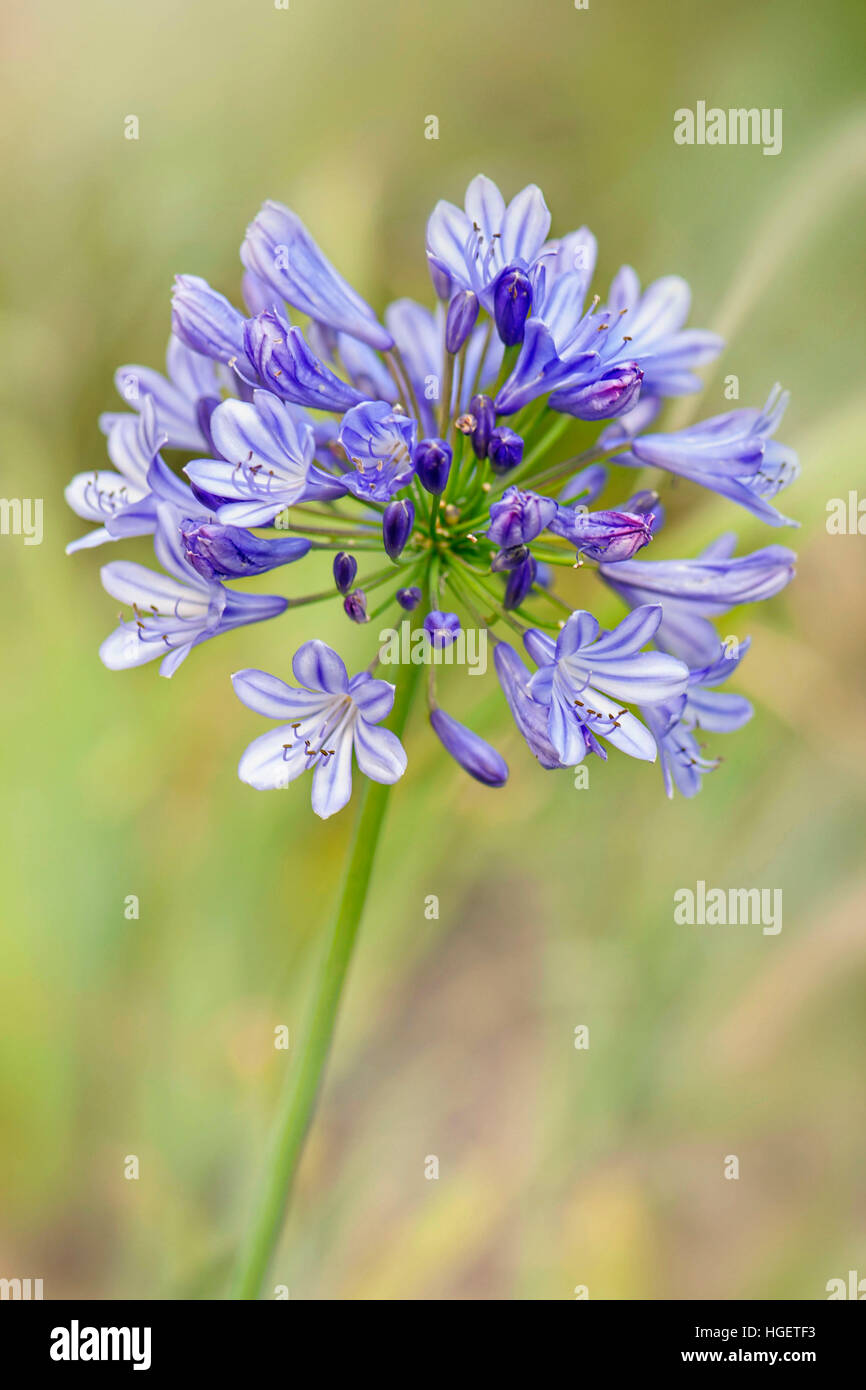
307,423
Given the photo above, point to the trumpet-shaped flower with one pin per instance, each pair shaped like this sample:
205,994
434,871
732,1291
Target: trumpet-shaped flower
731,454
280,251
324,719
585,675
469,247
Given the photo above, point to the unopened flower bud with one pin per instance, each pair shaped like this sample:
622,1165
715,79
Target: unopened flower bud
397,522
345,569
409,599
355,606
472,752
432,460
512,302
460,320
505,449
481,407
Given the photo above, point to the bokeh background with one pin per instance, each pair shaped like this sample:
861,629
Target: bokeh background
154,1036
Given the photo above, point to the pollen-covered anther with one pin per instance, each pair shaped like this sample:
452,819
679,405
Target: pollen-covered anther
466,423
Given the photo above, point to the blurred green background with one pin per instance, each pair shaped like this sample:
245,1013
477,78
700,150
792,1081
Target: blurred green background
154,1037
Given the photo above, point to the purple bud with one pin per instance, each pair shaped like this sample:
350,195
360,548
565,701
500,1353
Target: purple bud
512,301
473,754
460,321
205,320
441,627
608,536
355,606
397,522
615,392
432,460
345,569
505,449
520,581
231,552
519,516
481,407
409,598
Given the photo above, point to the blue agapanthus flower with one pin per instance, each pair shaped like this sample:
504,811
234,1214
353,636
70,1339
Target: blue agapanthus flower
421,450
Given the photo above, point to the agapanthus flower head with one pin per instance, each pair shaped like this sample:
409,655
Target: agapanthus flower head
433,478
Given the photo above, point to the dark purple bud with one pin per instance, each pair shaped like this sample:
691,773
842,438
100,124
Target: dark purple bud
205,320
409,598
460,321
397,522
615,392
345,569
505,449
608,536
473,754
432,460
482,410
231,552
512,302
510,559
441,627
520,581
519,516
355,606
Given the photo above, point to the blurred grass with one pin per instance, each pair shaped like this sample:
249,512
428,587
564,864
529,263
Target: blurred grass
155,1037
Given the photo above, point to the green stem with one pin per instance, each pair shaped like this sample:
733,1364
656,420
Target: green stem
303,1082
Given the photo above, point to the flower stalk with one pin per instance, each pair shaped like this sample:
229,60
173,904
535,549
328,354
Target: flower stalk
303,1082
